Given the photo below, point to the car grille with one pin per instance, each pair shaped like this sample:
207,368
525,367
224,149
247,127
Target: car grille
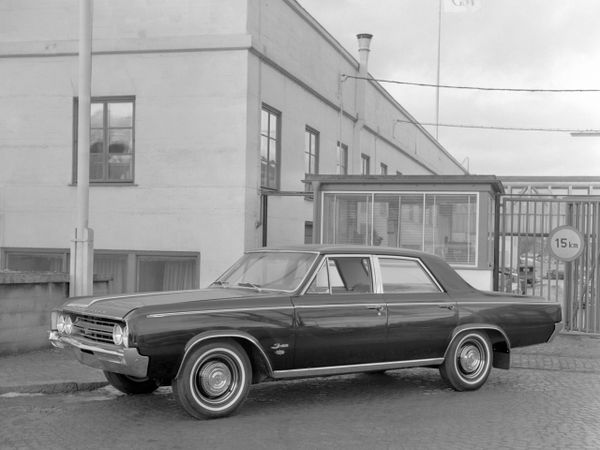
96,329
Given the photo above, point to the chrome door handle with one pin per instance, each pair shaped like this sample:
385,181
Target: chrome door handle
450,307
378,308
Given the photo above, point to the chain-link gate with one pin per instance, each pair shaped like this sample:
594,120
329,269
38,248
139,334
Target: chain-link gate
526,265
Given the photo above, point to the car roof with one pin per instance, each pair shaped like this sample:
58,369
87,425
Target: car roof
349,249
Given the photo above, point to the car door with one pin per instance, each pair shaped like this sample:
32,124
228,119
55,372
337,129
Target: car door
421,316
340,320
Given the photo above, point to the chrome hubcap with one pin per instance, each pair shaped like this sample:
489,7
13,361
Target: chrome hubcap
470,358
215,378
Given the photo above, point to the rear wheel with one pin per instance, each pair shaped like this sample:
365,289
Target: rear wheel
214,380
131,385
468,362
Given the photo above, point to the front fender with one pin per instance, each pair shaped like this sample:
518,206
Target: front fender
247,340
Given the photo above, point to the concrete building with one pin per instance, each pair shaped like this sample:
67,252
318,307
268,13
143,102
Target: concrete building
201,111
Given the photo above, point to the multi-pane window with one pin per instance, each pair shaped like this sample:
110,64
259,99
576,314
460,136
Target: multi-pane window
111,140
342,159
127,271
365,164
383,169
440,223
270,142
311,151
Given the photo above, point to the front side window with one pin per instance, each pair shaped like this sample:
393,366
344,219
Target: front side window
404,276
270,129
111,140
343,275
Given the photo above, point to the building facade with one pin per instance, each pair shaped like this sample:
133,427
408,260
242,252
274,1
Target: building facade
201,110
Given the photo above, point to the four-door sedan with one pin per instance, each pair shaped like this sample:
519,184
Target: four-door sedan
300,312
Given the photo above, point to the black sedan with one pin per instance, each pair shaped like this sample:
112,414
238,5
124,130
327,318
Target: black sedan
300,312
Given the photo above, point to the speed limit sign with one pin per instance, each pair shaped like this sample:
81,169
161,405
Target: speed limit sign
566,243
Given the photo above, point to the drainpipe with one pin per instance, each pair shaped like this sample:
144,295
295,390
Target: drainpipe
364,44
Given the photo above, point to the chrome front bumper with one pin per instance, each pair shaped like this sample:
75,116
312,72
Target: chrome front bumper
126,361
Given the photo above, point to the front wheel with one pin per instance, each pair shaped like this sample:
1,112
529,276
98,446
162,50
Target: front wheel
468,362
131,385
214,380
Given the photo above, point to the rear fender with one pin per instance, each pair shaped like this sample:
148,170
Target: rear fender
498,338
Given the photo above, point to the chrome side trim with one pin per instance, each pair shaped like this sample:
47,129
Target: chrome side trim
216,311
354,368
208,335
126,361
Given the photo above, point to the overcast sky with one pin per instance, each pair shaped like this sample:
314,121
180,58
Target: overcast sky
523,44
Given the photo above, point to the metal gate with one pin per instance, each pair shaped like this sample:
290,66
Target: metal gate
526,265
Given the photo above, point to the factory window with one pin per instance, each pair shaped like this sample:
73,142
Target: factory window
111,140
342,159
270,143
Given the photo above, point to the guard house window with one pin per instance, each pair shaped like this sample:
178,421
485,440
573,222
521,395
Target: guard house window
342,159
111,140
383,169
311,153
365,164
270,142
440,223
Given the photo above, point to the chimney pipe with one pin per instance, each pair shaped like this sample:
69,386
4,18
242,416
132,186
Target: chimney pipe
364,47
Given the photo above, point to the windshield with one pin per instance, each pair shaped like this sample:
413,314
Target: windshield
278,271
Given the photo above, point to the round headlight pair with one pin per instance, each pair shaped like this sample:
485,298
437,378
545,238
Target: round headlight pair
120,335
64,324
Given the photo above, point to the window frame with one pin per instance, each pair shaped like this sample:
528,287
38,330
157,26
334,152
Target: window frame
419,263
272,112
365,164
370,197
133,258
342,157
105,101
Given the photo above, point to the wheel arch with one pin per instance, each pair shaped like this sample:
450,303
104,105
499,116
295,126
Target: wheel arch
258,359
498,338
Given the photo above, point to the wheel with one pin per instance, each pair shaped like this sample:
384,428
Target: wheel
214,380
468,362
131,385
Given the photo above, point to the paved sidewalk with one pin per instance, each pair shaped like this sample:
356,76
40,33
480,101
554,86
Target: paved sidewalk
58,371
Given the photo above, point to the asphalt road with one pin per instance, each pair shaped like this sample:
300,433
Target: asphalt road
406,409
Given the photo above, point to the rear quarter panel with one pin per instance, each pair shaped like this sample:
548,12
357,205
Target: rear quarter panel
525,320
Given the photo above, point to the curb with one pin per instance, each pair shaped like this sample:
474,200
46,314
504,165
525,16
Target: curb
63,387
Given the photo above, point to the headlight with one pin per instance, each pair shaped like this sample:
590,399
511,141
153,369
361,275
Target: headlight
120,335
60,323
68,325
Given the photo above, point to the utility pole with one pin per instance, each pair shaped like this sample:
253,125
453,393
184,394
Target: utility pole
82,247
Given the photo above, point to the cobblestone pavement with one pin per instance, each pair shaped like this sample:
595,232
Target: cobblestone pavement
404,409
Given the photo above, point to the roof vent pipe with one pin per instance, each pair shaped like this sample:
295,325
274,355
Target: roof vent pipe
364,46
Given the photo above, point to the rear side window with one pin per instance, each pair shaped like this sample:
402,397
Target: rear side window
405,276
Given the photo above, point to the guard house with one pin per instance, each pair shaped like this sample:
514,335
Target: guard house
452,216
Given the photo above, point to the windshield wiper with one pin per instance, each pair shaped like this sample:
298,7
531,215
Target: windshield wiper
220,283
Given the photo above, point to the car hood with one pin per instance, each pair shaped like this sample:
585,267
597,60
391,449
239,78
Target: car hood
118,306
